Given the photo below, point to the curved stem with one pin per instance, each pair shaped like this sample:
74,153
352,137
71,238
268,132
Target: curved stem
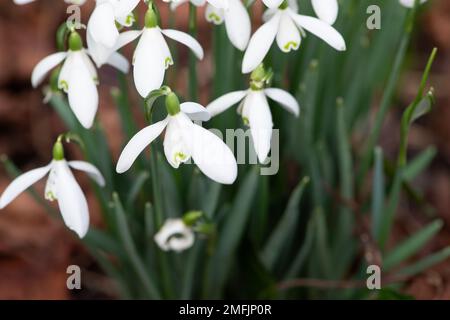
192,59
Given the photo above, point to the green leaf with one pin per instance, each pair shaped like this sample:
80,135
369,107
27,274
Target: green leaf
419,164
378,197
229,236
130,248
285,229
410,246
426,263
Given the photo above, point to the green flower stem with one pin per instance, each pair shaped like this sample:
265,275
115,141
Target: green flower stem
192,59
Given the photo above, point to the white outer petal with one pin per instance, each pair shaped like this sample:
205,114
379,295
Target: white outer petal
138,143
90,169
149,62
257,110
185,39
321,29
260,44
102,25
285,99
224,102
326,10
195,111
71,200
45,65
410,3
82,93
211,155
21,183
124,7
238,24
119,62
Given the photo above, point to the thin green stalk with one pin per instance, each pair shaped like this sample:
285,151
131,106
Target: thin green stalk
387,97
192,59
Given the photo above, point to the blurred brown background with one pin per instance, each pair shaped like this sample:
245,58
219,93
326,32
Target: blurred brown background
35,249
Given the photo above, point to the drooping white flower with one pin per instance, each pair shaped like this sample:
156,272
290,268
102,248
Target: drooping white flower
78,77
103,37
77,2
184,140
231,12
152,55
61,186
175,235
410,3
255,111
286,27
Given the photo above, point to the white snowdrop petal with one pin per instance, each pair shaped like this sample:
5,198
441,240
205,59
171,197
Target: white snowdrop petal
102,25
195,111
221,4
21,183
124,7
126,37
211,155
149,62
410,3
326,10
224,102
90,169
174,235
285,99
119,62
44,66
257,110
138,143
71,200
288,36
321,29
82,92
238,24
185,39
260,44
272,3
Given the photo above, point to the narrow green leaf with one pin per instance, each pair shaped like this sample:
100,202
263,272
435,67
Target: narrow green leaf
426,263
410,246
419,164
285,229
378,195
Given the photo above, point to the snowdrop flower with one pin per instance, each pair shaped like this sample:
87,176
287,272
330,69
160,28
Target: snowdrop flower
61,186
410,3
183,140
175,235
326,10
77,2
286,26
152,55
102,36
255,111
233,13
78,77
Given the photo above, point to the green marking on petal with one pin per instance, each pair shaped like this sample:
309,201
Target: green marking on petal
214,18
63,85
179,157
291,45
168,62
246,121
50,196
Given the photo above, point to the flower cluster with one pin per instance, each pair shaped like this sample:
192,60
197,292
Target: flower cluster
184,138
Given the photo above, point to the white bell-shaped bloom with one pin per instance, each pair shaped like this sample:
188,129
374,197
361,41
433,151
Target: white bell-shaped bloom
152,55
61,186
175,235
410,3
185,140
77,2
231,12
255,111
286,27
78,78
103,37
236,19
